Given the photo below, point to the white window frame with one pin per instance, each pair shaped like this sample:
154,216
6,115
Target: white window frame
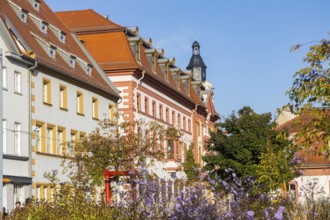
62,37
36,5
17,138
49,140
43,27
23,16
17,82
18,193
38,135
59,142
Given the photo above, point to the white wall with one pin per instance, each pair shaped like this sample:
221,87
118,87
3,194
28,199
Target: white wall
69,119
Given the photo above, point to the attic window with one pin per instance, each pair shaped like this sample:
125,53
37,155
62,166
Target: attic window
89,69
44,27
36,5
62,37
23,16
52,51
72,61
151,59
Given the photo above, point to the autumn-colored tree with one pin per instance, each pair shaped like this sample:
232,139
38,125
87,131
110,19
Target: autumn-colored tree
311,94
117,146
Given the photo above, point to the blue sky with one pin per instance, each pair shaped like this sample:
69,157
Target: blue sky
245,44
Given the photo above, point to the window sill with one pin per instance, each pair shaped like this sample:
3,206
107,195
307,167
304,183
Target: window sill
64,109
15,157
96,119
48,104
4,88
81,114
18,93
50,154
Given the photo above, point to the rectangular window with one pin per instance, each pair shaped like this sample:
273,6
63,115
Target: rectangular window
38,193
17,139
173,117
4,135
80,103
46,92
18,193
60,146
138,102
95,108
154,108
49,140
63,98
74,135
170,149
146,105
189,125
179,121
40,131
18,82
73,139
4,77
111,113
161,112
45,193
184,123
167,115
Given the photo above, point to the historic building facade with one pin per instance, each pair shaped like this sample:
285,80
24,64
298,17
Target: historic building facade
315,168
153,88
54,92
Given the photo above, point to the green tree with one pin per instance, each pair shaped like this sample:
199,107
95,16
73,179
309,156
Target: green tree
311,94
190,167
245,144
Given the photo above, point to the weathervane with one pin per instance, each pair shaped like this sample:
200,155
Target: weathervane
195,36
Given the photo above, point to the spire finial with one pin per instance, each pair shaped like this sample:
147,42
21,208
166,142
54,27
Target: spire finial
195,36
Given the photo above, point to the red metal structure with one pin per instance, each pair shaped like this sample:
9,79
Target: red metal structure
108,175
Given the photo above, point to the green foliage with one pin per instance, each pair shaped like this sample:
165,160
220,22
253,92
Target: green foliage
116,146
190,167
311,93
247,142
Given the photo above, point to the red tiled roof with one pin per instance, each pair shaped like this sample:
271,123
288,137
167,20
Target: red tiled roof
111,50
86,20
30,31
312,156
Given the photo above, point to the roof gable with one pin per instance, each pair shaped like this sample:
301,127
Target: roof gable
40,43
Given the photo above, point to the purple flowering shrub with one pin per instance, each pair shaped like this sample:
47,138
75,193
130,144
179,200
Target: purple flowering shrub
149,197
205,199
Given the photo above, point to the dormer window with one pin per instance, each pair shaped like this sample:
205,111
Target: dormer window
89,69
36,5
151,58
151,54
62,37
52,51
135,43
23,16
72,61
44,26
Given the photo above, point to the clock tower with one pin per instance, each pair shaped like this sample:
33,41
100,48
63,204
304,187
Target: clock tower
196,64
